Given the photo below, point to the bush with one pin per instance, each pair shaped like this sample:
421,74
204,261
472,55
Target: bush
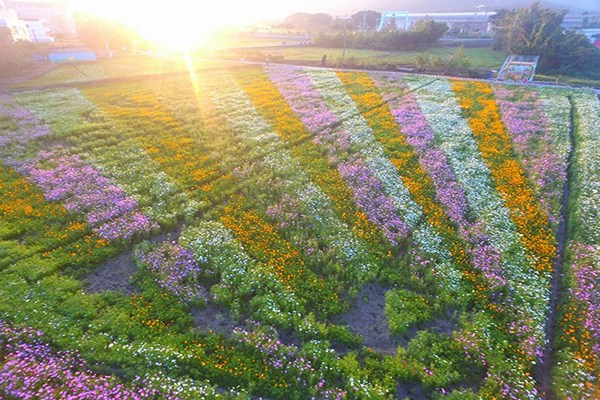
15,57
458,62
404,308
354,62
420,37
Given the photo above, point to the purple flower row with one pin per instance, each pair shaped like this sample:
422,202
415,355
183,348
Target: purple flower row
586,290
286,359
28,128
31,369
175,269
432,159
307,103
379,208
527,124
484,257
82,189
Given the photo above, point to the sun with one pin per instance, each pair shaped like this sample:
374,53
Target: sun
183,24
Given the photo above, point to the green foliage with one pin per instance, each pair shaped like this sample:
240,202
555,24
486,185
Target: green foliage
404,309
457,62
538,31
354,62
442,362
366,20
420,37
15,57
310,328
97,33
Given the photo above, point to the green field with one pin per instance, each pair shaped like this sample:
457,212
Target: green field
297,233
113,68
479,57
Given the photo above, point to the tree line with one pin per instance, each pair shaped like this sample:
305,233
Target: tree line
538,31
419,37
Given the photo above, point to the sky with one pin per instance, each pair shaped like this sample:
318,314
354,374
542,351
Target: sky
188,22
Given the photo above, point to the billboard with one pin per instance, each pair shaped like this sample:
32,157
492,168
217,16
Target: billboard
518,68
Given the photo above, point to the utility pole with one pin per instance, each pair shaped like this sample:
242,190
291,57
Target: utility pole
364,22
344,51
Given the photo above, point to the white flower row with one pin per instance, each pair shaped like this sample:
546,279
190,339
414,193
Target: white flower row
60,109
343,107
243,118
213,243
587,162
341,104
451,130
320,212
142,179
240,114
558,113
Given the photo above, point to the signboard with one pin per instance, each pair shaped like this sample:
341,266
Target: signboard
518,68
399,18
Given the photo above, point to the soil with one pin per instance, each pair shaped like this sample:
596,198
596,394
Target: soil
411,391
214,318
115,273
367,317
217,319
546,361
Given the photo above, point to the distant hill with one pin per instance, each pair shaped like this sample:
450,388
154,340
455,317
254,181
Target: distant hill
471,5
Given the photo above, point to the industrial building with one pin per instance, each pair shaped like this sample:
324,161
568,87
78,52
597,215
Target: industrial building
56,14
37,21
473,22
9,20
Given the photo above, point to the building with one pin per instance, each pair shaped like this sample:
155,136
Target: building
475,22
581,21
460,22
56,14
72,54
593,34
17,27
38,32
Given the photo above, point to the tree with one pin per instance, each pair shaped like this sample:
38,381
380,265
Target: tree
308,21
15,57
431,30
97,32
369,18
538,31
459,60
574,55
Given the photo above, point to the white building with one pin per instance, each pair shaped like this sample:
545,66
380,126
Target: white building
18,27
466,21
478,22
581,21
38,32
56,14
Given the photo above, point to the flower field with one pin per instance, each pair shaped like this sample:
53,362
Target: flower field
232,221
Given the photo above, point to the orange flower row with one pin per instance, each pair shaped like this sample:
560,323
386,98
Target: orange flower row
19,199
263,242
477,101
163,137
272,105
377,113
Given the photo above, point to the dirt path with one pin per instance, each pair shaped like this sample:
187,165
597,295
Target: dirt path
115,273
544,369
